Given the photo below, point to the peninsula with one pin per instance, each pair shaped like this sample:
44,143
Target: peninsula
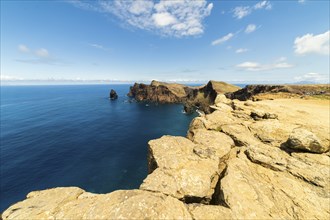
263,153
199,96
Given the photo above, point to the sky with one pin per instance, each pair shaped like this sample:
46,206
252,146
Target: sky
166,40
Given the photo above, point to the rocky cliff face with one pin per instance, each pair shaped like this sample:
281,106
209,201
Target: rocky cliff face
201,96
267,91
246,160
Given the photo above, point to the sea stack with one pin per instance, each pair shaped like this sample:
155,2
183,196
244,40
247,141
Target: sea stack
113,95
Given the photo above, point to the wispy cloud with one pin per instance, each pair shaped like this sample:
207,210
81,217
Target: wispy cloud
301,1
263,5
313,77
241,50
250,28
99,46
255,66
38,56
310,43
42,52
177,18
23,48
240,12
222,39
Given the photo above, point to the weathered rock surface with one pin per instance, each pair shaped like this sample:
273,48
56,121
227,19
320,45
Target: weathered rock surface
178,171
254,192
113,95
246,160
302,139
74,203
210,212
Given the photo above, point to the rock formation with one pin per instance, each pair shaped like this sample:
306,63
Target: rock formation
113,95
246,160
258,92
200,96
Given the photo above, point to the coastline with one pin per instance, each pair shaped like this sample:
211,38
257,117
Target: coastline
238,146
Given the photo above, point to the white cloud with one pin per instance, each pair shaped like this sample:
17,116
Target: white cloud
164,19
140,7
176,18
255,66
240,12
42,52
251,66
263,5
301,1
241,50
23,48
309,43
250,28
222,39
313,77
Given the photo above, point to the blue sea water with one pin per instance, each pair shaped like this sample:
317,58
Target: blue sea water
75,136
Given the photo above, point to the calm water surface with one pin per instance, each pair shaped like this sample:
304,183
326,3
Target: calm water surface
75,136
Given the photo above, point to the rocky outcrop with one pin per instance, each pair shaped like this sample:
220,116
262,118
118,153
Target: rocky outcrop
259,92
113,95
302,139
245,160
201,97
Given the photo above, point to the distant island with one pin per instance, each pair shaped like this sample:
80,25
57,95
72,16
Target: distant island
260,152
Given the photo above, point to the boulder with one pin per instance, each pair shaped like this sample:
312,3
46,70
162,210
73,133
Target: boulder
113,95
212,144
240,133
301,139
259,115
178,171
221,98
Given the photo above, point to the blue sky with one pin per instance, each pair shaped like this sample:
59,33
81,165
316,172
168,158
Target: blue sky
233,41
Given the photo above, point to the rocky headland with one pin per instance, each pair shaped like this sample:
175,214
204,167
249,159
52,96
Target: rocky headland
199,96
265,159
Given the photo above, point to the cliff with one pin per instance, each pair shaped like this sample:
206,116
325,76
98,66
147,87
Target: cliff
246,160
279,91
199,96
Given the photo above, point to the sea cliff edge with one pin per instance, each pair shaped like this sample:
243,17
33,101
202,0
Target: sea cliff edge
265,157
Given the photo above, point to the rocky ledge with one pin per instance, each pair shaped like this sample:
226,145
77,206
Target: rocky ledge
246,160
199,96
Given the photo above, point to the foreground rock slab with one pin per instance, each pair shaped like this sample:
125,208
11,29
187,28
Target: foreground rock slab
183,169
74,203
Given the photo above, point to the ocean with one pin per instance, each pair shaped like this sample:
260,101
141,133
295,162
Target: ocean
73,135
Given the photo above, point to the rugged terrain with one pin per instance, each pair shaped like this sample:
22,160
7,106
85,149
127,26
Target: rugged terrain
259,92
199,96
246,160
